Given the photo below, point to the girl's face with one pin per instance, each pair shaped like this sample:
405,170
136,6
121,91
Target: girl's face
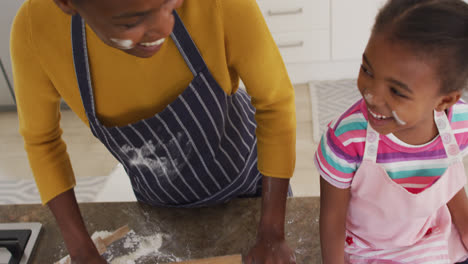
138,27
401,91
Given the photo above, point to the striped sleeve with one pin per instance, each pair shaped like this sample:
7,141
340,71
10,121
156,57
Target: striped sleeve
336,162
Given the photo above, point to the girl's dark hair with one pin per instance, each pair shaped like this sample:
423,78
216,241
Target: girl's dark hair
434,29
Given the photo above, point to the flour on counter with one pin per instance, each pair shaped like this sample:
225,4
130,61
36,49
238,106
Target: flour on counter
65,260
101,234
133,249
136,249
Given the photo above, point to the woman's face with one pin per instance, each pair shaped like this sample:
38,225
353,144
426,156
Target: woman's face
138,27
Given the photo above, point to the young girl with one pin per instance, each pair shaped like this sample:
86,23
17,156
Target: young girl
391,166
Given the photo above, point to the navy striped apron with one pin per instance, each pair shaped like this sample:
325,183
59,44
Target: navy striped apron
200,150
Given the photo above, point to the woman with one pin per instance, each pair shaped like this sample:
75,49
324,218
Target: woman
157,82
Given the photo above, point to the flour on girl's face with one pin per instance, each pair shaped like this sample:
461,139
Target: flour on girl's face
397,118
369,98
146,157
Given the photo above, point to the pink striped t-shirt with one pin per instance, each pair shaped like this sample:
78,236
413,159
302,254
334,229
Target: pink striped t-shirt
341,150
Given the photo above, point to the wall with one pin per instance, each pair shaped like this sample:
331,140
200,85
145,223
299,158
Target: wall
8,10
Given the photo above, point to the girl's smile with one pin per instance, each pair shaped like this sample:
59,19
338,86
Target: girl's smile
377,120
401,90
377,116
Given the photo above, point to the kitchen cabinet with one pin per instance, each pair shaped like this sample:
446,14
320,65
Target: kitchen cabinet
301,29
8,9
351,26
320,39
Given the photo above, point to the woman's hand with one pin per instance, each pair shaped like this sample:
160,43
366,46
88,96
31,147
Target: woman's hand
68,216
270,251
271,247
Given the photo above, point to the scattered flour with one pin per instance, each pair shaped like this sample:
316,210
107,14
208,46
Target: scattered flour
64,260
138,249
101,234
143,246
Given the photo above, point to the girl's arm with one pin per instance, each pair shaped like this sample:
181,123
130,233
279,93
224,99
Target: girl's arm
458,207
333,212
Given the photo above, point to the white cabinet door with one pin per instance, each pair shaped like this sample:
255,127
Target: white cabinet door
284,16
8,9
351,24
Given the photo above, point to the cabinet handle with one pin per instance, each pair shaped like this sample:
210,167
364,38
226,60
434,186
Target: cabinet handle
291,44
285,12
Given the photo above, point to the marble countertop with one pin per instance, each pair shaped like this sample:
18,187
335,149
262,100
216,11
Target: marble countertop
188,233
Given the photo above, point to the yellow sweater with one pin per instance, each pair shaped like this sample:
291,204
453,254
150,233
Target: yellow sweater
232,38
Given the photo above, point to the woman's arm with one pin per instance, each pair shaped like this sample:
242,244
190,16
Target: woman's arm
458,207
333,211
67,214
252,55
271,246
39,122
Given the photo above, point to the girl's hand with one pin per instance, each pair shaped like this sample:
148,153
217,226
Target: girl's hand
268,251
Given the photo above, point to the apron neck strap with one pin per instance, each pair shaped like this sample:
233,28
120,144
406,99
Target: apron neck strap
372,144
187,47
81,63
446,135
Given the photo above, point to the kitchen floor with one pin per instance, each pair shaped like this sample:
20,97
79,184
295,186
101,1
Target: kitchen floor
90,158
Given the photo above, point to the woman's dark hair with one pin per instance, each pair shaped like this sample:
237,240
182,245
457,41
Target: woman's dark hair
434,29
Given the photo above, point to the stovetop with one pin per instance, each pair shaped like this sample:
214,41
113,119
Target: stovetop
17,242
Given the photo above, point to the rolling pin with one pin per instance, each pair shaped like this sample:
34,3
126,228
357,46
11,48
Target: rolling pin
234,259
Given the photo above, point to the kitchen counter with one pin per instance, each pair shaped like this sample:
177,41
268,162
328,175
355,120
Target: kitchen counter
189,233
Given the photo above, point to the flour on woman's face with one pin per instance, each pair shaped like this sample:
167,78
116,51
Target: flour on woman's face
124,44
